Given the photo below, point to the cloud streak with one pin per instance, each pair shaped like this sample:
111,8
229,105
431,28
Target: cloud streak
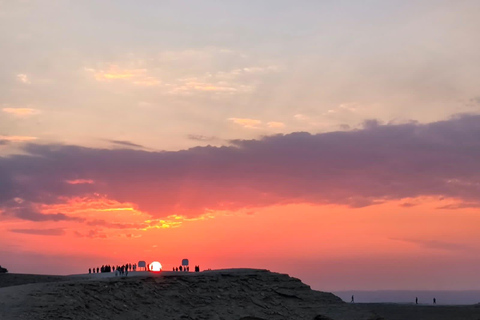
126,143
246,123
435,244
40,232
27,211
353,168
17,138
21,112
137,76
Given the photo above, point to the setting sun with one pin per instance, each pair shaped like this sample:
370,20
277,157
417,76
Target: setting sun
155,266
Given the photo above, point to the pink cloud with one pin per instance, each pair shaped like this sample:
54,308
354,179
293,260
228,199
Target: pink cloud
354,168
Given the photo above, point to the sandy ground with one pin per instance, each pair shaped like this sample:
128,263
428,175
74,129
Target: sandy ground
243,294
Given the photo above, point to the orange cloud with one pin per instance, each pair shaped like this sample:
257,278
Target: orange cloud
23,78
134,76
80,181
246,123
21,112
273,124
17,138
102,212
194,84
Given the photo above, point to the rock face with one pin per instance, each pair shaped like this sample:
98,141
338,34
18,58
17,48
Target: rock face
231,294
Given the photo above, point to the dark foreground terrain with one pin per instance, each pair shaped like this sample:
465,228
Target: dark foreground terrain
223,294
15,279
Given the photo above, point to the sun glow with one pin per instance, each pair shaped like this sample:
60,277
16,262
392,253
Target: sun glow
155,266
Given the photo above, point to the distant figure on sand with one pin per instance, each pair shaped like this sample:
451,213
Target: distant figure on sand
434,301
353,299
416,300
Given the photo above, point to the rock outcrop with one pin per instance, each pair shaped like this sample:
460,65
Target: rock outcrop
242,294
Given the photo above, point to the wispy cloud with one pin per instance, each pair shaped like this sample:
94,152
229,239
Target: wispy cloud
274,124
17,138
94,233
227,82
461,205
27,210
80,181
199,137
434,244
40,232
21,112
343,108
137,76
246,122
196,84
257,124
126,143
23,78
242,72
301,117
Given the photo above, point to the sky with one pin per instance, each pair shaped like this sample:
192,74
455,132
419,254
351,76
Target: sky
337,141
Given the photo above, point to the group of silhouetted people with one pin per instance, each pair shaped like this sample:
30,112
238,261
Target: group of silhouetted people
117,269
184,269
124,269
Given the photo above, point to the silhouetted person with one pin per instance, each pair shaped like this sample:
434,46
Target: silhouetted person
434,301
98,270
176,269
353,299
89,270
416,300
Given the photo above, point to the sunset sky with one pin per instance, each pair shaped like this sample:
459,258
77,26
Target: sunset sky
337,141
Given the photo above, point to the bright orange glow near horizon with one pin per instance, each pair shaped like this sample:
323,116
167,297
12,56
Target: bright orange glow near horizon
155,266
286,238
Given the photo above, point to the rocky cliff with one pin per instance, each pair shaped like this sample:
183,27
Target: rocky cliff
223,294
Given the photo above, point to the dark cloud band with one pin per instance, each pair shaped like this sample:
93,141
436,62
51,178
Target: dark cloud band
353,168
